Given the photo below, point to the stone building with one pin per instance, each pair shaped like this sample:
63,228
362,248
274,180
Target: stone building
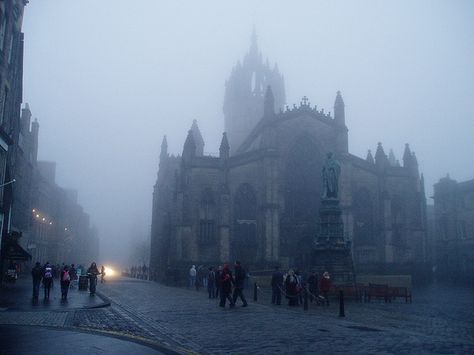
454,229
11,92
259,200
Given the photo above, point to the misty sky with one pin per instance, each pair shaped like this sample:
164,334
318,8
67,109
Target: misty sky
107,79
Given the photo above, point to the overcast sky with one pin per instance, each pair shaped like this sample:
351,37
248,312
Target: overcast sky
107,79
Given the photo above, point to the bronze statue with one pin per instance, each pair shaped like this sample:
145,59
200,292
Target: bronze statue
331,172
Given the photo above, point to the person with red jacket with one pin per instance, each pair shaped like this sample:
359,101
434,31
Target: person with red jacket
226,287
325,286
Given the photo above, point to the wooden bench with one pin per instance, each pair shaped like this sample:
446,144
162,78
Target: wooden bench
400,292
378,291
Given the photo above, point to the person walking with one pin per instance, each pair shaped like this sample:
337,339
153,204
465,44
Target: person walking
102,274
211,280
37,275
218,280
92,272
192,276
313,286
325,286
47,280
277,284
226,287
73,275
239,284
65,281
291,284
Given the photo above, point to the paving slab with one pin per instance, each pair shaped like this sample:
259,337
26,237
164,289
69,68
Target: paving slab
18,297
36,340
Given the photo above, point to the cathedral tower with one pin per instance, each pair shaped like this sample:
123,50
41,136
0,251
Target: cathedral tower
245,91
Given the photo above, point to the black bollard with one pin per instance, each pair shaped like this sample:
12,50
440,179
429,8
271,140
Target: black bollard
341,304
305,299
255,292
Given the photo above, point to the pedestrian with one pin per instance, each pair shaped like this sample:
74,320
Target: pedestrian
325,286
65,281
211,280
277,284
239,284
226,287
37,275
313,286
299,287
291,284
47,280
218,280
73,275
102,274
192,276
92,272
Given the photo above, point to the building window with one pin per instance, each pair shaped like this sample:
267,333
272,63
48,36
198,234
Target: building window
4,106
10,50
207,216
3,28
206,230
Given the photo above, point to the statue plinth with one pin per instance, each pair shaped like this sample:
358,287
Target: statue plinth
331,252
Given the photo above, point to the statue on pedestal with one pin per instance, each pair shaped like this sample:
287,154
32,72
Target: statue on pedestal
331,171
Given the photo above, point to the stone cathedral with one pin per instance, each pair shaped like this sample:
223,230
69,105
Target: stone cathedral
258,201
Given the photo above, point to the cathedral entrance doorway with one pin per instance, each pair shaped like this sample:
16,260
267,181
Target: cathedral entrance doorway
302,194
244,233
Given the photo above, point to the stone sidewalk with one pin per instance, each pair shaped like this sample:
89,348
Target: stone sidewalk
18,296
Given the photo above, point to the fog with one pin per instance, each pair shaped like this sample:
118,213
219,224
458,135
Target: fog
107,79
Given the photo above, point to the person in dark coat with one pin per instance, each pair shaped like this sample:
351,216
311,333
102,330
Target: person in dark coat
47,280
325,286
313,286
211,280
92,272
277,284
239,284
226,287
37,275
291,284
218,280
65,280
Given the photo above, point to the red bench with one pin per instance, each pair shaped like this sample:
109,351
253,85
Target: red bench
400,292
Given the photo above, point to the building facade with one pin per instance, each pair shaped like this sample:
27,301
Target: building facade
11,90
454,229
259,200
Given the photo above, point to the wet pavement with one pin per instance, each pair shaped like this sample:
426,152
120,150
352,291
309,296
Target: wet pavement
36,340
439,321
18,296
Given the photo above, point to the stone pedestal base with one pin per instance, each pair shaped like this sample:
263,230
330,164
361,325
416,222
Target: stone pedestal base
336,261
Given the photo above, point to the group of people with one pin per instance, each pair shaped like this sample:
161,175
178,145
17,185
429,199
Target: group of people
222,283
67,275
293,283
139,272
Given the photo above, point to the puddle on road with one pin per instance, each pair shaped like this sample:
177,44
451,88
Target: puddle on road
365,329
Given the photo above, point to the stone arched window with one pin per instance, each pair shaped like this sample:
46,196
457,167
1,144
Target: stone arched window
244,233
207,216
302,196
398,209
363,212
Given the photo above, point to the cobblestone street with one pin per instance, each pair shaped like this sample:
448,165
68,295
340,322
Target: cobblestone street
440,320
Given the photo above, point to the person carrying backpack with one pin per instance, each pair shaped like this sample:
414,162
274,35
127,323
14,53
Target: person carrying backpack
65,281
47,280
